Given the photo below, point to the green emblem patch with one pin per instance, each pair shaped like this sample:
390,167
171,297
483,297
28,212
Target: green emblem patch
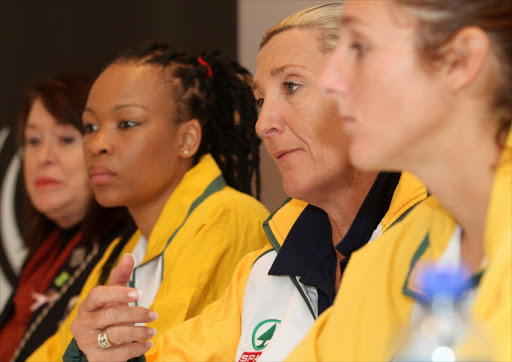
61,279
263,333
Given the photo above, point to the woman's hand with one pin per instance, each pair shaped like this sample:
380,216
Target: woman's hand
106,310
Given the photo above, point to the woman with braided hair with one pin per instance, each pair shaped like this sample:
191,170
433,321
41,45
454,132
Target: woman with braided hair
170,135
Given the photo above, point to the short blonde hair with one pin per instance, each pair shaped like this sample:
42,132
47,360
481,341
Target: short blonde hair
323,19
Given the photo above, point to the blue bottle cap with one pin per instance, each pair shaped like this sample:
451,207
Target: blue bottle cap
446,282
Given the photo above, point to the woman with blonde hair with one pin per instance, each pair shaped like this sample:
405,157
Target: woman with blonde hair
276,293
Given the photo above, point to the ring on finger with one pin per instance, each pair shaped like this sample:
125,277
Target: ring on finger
103,340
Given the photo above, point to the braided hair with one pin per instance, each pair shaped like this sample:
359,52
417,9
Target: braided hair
216,91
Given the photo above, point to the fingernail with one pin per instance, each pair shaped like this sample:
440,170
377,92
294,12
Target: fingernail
149,344
152,315
134,294
152,331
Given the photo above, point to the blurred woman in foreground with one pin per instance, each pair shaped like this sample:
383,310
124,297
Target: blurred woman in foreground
443,110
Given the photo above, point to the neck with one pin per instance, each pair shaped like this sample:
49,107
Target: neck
459,171
145,214
67,218
343,204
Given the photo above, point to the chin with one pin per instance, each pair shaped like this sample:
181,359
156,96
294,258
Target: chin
48,207
295,189
106,201
364,159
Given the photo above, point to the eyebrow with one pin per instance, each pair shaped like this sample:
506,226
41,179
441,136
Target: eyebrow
126,105
31,125
274,72
118,107
349,20
280,70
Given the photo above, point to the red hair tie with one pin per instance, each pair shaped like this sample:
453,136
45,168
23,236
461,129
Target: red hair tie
203,62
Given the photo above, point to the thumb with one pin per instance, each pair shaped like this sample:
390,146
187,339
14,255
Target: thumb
120,275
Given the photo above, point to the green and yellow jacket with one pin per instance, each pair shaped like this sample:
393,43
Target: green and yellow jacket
379,280
264,314
203,231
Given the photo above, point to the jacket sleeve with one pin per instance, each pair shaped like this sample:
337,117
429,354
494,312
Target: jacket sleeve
73,353
215,333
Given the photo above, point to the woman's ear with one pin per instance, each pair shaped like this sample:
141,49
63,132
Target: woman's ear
466,56
190,138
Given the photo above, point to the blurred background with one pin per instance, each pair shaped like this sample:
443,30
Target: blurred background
39,39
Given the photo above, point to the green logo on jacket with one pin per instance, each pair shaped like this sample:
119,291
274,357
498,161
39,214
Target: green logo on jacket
263,333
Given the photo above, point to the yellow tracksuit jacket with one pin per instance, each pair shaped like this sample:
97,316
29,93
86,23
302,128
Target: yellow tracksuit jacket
365,325
285,308
202,233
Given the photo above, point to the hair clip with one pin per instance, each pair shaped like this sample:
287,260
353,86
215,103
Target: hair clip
203,62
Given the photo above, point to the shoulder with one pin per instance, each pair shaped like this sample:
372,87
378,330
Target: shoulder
231,200
427,217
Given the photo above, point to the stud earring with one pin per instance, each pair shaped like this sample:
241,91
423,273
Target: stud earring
185,152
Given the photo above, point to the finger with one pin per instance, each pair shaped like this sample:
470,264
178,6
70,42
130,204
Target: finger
121,314
119,335
119,353
120,275
101,295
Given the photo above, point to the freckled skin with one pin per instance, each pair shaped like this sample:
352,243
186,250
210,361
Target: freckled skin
296,116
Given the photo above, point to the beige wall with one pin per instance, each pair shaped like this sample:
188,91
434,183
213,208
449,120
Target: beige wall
255,17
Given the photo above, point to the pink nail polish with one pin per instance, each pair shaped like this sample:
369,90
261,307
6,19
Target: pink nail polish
135,295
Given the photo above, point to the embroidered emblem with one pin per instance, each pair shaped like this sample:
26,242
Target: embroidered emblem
263,333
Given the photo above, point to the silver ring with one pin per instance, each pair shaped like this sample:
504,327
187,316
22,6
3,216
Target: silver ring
103,340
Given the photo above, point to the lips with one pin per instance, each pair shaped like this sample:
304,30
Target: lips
280,154
100,175
348,118
45,182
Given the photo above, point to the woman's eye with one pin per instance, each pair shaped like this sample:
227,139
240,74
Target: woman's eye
290,87
32,141
359,48
67,139
89,127
127,124
259,102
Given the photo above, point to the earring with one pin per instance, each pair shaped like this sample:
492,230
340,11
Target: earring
185,152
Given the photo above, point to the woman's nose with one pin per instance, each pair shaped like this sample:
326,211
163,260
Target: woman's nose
269,119
98,143
47,152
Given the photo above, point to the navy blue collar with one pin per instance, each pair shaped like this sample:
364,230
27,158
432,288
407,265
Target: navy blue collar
308,251
370,214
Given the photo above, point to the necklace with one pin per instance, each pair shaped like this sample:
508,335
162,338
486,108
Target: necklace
49,306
